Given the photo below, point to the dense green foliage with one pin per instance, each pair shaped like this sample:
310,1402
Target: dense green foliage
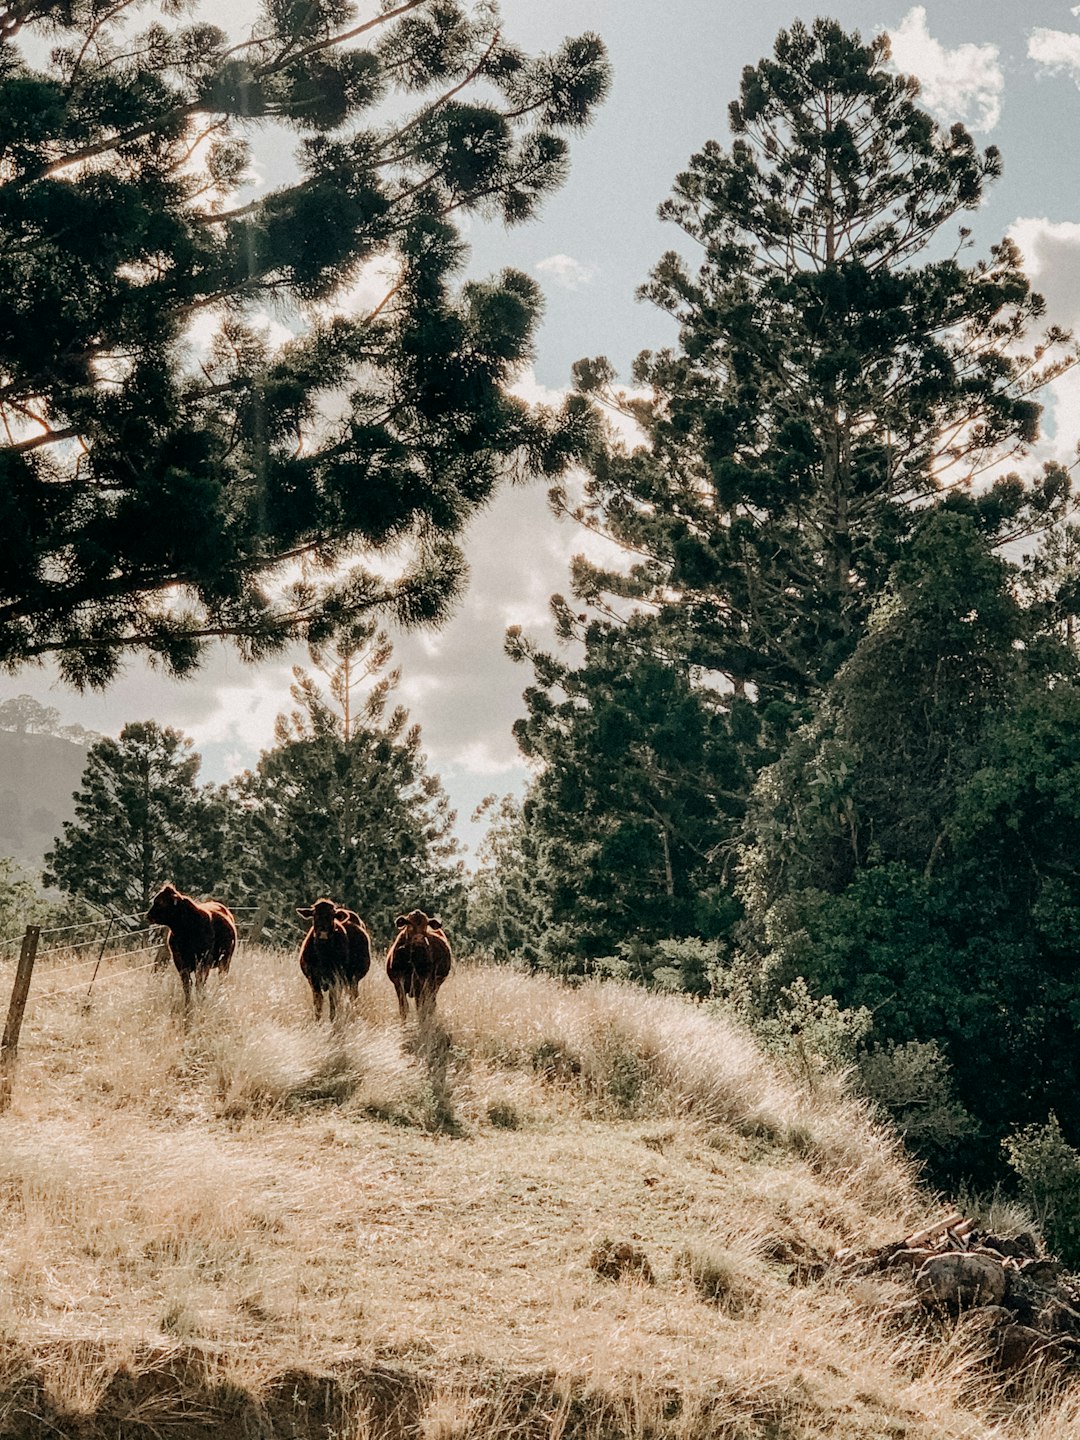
141,818
910,851
642,776
813,669
833,377
168,474
343,804
1048,1168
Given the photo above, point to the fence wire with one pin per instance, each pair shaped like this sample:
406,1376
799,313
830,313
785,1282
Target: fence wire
119,929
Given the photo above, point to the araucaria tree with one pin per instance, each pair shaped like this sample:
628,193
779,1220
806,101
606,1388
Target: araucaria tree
343,804
168,474
140,818
837,369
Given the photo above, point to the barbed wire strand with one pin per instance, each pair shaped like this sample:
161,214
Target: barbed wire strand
116,975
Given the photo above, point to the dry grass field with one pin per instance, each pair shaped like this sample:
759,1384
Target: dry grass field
244,1224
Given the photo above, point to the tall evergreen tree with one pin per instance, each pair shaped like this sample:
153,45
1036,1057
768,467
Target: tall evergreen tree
141,818
837,369
153,495
642,774
343,804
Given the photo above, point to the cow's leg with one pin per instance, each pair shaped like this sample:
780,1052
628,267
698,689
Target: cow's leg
316,995
402,1000
425,1001
185,980
333,996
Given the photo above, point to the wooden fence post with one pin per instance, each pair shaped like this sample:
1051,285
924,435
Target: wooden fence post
255,929
10,1044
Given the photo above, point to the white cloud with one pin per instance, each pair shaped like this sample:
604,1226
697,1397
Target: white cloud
1051,251
1056,49
482,758
372,285
571,274
963,84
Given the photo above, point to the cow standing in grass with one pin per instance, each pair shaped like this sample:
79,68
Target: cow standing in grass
202,935
335,954
418,962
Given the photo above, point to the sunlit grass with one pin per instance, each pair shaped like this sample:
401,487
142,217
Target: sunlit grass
269,1193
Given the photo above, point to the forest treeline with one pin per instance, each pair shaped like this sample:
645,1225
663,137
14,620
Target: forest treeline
811,749
808,746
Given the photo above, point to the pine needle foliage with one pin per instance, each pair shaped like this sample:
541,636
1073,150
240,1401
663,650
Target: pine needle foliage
168,475
343,803
838,367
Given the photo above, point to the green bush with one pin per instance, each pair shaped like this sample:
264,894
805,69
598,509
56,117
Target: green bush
1049,1170
913,1083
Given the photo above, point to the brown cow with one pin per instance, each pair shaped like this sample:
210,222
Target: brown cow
335,954
202,935
418,961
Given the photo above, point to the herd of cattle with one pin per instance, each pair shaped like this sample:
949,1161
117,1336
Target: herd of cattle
334,957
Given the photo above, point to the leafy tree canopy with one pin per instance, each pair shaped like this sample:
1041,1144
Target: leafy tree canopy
25,715
642,772
910,851
167,474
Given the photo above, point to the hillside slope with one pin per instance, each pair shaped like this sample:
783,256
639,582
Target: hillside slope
38,777
250,1225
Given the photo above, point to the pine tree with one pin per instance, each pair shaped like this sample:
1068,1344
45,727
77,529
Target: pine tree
141,818
642,773
343,804
155,494
837,369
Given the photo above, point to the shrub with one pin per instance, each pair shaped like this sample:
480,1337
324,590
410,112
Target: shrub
913,1082
1049,1170
719,1276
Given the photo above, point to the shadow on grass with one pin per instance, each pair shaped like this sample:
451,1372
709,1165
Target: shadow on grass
431,1045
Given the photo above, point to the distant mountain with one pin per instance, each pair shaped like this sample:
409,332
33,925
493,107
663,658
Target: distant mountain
38,777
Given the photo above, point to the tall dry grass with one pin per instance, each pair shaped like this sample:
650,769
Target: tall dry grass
278,1193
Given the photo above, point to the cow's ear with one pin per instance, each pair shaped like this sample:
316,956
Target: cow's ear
401,921
305,911
434,923
340,914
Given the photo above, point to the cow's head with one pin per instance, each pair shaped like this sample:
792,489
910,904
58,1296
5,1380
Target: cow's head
415,924
163,905
322,916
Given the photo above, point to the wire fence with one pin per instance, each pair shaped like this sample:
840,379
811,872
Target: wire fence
83,946
111,936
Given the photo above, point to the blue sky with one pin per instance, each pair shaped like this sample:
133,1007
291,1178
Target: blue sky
1010,72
